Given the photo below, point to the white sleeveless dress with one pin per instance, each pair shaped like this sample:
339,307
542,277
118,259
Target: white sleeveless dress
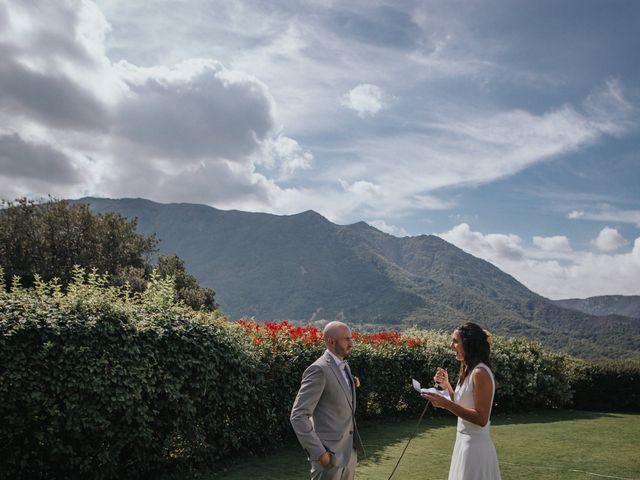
474,455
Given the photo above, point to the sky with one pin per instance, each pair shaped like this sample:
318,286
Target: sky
510,128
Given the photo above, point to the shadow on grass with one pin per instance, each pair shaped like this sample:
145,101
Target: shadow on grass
384,441
549,416
398,431
289,460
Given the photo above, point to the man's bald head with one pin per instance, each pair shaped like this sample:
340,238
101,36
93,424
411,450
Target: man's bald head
337,337
334,329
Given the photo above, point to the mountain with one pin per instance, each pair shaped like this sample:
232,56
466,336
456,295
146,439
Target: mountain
627,305
303,267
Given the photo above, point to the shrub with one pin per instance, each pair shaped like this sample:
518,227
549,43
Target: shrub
97,384
606,385
383,362
282,352
527,377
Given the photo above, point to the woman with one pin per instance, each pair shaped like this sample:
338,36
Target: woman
474,456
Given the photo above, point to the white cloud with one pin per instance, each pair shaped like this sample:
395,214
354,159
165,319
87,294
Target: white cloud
284,155
365,100
193,110
193,131
609,239
390,229
579,274
362,188
606,213
188,101
494,246
472,148
635,253
37,161
614,112
557,243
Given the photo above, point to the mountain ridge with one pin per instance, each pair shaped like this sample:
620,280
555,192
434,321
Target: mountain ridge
304,267
626,305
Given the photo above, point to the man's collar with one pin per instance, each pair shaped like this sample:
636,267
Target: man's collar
335,357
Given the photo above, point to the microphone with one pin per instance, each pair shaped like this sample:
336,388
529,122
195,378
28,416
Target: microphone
445,364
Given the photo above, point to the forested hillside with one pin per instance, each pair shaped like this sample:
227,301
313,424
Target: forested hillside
303,267
627,305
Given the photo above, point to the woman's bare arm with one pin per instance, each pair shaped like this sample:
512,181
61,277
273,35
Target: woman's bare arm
482,393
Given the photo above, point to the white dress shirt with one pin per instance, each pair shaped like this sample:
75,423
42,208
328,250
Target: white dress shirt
341,365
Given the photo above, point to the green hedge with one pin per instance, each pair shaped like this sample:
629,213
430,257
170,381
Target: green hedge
529,378
97,384
606,385
101,389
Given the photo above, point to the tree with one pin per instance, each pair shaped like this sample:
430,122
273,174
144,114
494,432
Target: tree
187,288
51,237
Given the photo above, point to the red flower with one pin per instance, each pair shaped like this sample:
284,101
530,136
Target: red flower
280,334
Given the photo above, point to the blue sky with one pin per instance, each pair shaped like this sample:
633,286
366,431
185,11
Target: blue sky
509,128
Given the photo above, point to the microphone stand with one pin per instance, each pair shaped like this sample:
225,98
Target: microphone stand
411,438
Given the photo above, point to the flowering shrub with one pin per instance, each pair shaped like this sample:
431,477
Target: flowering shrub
281,334
527,377
95,383
388,339
384,362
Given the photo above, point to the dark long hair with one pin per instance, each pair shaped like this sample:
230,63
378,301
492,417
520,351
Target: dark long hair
475,343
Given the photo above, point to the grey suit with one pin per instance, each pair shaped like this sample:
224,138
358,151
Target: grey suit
323,419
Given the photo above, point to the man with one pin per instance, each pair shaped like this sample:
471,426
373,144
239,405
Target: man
323,412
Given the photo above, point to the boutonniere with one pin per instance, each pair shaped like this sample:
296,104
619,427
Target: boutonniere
356,381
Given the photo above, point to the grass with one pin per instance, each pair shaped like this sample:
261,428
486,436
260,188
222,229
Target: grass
567,445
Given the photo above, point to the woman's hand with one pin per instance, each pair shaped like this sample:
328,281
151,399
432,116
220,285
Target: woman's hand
482,394
441,379
436,400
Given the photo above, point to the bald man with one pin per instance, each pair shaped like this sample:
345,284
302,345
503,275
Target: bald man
323,412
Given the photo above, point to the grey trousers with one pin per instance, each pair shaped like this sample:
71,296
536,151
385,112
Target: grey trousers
318,472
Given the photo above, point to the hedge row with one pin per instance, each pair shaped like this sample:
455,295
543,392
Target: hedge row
103,393
94,384
606,385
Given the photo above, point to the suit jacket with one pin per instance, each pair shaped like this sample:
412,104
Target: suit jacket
323,412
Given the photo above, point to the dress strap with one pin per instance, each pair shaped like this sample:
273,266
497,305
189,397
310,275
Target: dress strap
484,366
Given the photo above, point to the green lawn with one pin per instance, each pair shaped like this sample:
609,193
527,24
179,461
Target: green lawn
563,445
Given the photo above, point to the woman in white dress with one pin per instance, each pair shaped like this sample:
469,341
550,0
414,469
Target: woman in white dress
474,455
